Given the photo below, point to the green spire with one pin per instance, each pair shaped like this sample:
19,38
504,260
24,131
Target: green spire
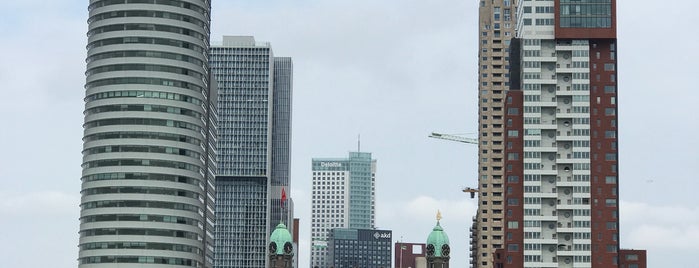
438,238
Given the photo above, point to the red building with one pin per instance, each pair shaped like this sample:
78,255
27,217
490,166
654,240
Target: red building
405,254
561,172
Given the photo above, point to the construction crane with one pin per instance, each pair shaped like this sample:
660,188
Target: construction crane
451,137
456,138
470,191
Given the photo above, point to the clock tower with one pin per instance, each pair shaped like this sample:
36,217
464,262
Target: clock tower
437,249
281,248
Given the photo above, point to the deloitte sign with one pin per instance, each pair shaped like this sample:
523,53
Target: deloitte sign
331,164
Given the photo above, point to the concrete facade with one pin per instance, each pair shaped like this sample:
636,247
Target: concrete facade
496,27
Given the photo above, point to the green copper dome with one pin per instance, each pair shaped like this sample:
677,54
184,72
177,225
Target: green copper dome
280,237
438,238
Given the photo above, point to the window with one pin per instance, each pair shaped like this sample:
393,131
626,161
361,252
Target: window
609,89
610,134
610,179
631,257
512,156
512,178
610,157
609,66
512,111
610,202
513,224
513,133
512,201
513,247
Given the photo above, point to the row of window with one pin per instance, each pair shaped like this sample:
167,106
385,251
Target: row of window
145,40
141,149
146,27
176,3
139,217
140,259
140,176
143,94
142,121
145,54
147,14
138,204
147,68
138,232
139,245
139,190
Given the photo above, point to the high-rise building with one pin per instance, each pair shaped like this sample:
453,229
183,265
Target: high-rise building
349,248
254,146
561,169
149,157
497,20
343,196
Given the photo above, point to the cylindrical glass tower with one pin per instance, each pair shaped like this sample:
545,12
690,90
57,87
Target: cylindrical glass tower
149,136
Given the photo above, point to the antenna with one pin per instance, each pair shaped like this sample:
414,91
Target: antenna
359,142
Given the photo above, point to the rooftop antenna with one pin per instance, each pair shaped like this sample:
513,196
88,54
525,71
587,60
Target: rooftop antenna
359,143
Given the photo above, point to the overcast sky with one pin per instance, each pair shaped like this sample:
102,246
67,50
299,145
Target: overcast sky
390,70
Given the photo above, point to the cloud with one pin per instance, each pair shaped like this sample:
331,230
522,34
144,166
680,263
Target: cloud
45,204
659,228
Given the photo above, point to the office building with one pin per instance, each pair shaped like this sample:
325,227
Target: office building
406,254
497,20
561,168
349,248
343,196
149,156
253,171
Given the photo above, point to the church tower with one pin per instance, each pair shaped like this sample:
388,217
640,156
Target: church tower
437,249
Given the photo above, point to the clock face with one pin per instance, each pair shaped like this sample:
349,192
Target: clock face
272,247
445,250
429,250
288,248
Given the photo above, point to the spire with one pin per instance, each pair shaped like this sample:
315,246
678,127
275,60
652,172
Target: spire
439,216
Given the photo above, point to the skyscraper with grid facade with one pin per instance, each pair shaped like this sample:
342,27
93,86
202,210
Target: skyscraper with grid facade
343,196
495,29
254,148
149,155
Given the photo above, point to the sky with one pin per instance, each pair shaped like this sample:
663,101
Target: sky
391,71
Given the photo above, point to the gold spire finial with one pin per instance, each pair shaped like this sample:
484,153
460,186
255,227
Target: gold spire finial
439,215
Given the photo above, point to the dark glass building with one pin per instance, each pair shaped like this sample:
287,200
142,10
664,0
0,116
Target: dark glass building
366,248
254,149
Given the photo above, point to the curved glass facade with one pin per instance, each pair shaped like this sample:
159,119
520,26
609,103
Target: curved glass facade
149,156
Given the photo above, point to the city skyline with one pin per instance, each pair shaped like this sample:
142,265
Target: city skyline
406,104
